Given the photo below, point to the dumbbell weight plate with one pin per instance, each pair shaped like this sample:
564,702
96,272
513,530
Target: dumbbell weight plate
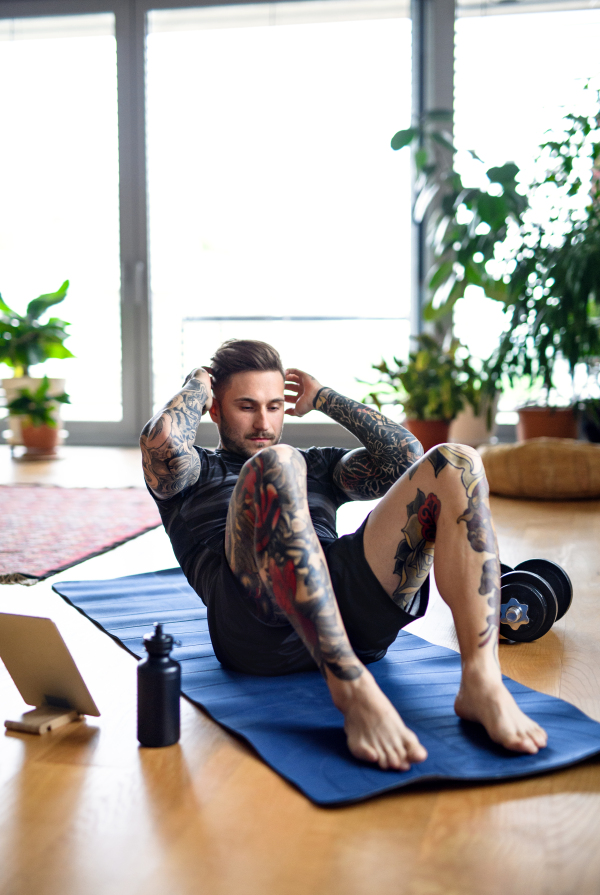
536,594
556,577
504,569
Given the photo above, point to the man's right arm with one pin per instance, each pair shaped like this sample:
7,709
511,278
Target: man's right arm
169,458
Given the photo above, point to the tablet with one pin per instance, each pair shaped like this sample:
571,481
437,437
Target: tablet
40,664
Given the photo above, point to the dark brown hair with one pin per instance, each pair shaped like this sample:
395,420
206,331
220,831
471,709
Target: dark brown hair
240,356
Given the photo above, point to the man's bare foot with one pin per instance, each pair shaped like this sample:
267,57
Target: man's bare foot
374,729
484,698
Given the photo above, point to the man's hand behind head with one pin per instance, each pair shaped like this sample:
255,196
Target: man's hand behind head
202,374
301,390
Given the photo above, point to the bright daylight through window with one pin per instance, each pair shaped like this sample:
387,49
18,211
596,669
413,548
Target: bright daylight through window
532,69
273,190
60,200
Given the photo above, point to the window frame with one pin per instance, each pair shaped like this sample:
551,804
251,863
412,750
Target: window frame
130,34
135,320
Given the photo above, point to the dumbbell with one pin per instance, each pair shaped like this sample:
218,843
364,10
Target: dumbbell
533,595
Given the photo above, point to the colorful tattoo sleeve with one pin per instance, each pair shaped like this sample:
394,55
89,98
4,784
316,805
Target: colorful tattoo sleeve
169,459
389,449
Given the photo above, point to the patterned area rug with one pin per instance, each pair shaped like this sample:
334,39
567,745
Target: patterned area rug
45,529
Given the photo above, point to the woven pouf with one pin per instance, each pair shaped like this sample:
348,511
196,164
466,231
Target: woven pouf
543,468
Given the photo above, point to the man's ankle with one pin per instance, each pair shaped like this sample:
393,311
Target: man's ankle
343,691
482,663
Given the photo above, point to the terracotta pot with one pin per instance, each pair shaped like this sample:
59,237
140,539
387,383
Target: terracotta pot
429,432
39,439
469,429
12,387
546,422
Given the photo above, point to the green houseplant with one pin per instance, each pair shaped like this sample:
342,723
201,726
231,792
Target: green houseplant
24,341
553,290
432,386
467,227
467,231
39,419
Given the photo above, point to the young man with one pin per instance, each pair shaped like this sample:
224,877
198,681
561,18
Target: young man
253,527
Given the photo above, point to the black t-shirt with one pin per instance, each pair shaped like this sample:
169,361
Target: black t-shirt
195,519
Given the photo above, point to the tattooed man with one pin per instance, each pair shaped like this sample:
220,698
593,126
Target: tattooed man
253,527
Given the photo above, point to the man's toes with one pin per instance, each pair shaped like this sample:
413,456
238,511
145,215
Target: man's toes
539,737
530,739
383,760
529,745
365,752
419,753
415,751
406,753
398,759
521,741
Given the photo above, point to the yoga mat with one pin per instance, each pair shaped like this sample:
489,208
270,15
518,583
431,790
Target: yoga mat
45,529
293,725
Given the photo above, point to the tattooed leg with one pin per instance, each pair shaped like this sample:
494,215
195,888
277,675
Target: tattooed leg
273,550
439,513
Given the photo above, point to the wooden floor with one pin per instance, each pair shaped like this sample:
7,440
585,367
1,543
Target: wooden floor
85,811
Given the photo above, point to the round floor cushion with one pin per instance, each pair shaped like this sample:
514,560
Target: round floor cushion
543,468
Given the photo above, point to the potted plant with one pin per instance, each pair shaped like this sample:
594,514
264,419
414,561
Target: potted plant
25,340
553,290
475,424
467,230
432,386
467,227
37,411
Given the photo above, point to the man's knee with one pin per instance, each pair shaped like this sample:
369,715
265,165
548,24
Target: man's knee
449,448
282,456
460,462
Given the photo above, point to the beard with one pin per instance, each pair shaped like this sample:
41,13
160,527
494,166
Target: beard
242,444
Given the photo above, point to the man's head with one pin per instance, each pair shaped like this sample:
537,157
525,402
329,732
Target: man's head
248,405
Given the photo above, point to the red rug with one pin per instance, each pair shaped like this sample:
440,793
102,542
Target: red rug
45,529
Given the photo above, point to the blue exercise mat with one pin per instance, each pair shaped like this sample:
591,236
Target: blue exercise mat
291,721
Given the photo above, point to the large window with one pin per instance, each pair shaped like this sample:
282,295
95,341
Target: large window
59,194
516,76
277,208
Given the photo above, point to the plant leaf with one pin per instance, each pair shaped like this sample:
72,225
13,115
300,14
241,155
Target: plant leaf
504,174
404,138
421,158
36,308
4,307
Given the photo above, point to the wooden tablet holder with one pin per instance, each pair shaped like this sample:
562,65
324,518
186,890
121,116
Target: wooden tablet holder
43,719
45,674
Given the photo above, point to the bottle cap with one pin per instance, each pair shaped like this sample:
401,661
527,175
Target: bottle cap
158,643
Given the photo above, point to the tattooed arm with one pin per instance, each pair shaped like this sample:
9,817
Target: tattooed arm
167,441
389,449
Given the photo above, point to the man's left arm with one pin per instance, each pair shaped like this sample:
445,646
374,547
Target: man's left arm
388,448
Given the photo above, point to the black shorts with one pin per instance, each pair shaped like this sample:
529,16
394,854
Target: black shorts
244,643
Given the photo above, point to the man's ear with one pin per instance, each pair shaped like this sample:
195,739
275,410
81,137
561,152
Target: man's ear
215,411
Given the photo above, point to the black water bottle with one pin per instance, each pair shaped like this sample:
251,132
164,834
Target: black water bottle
159,685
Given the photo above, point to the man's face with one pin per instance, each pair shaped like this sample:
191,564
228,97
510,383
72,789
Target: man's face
249,414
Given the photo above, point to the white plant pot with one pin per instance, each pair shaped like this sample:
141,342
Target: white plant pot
12,387
467,428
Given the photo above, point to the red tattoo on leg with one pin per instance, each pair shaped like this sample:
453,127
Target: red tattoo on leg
283,582
428,515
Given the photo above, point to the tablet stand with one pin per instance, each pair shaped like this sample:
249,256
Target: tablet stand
43,720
